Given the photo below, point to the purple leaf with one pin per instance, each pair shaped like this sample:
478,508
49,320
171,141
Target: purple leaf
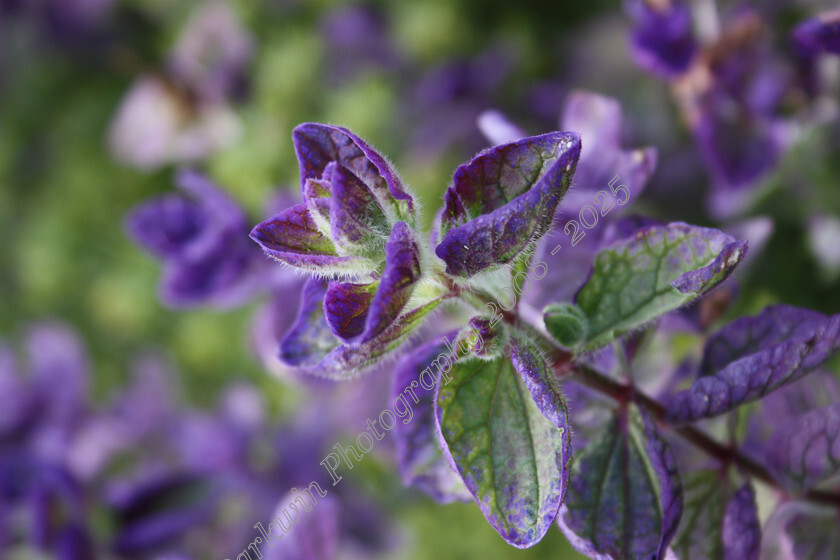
504,200
310,338
807,451
766,352
813,534
749,335
700,534
701,280
292,237
419,457
317,145
741,526
625,496
401,274
201,239
671,492
348,360
356,218
346,308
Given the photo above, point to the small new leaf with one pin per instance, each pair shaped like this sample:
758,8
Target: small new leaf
504,200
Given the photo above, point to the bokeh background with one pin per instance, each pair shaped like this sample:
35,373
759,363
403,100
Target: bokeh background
134,428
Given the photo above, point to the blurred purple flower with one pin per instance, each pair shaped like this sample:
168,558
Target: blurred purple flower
449,97
662,41
738,124
183,115
357,39
154,511
213,54
157,124
819,34
201,237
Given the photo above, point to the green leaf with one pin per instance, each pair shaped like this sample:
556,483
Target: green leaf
513,460
625,495
656,271
700,533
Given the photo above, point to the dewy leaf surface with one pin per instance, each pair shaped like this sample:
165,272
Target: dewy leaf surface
765,353
659,269
625,496
504,200
512,458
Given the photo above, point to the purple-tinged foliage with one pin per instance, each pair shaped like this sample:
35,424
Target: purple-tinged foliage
488,410
513,453
700,535
662,41
541,382
201,237
293,238
317,145
806,452
819,34
606,176
399,277
625,495
504,200
419,458
741,526
309,339
356,221
346,307
740,146
753,356
360,312
657,270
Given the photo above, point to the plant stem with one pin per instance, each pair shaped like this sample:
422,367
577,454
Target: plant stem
564,365
725,454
